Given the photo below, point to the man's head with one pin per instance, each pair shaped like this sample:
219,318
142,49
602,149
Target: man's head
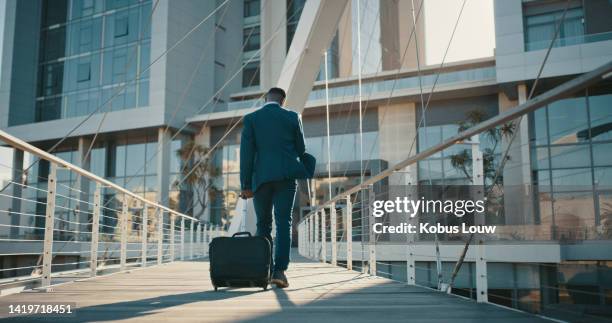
277,95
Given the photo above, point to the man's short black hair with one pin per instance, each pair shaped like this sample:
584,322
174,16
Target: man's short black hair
276,94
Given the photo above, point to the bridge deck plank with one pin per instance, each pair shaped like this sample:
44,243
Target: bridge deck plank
182,292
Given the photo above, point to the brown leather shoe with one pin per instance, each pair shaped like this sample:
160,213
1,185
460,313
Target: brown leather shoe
279,279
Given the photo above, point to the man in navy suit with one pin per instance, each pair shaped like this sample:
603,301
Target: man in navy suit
271,146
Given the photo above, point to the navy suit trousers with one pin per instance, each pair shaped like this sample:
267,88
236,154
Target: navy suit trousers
276,197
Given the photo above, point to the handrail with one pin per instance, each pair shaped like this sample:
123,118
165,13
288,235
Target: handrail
554,94
22,145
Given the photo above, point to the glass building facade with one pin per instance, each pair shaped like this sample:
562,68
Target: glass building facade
251,42
129,161
89,51
571,153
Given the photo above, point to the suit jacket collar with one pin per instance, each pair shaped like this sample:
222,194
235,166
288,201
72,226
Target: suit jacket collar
271,103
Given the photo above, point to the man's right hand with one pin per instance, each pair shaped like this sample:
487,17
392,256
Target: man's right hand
246,194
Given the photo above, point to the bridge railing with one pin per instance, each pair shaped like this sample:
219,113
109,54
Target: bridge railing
520,264
59,222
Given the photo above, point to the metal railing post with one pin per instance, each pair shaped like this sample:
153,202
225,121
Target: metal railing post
192,227
172,237
124,233
95,230
307,233
410,264
323,237
144,235
334,238
300,240
182,238
317,251
311,245
371,234
205,238
198,237
160,236
348,229
481,275
49,226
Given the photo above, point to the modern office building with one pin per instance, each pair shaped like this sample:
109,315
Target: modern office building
63,60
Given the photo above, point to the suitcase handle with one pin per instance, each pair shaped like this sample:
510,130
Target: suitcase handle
243,233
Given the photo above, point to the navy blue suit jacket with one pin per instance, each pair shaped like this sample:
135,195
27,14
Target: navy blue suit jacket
271,146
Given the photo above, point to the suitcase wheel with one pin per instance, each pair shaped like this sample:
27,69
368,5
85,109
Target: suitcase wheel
265,287
216,288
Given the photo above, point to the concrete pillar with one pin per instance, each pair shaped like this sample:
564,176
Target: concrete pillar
17,191
397,130
163,166
345,41
82,184
517,170
405,26
273,18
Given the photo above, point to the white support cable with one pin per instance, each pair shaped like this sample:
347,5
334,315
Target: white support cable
327,123
177,132
359,91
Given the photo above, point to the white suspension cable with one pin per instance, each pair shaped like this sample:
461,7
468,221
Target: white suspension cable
329,185
359,91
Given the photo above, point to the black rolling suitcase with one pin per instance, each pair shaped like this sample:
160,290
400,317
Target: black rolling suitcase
240,261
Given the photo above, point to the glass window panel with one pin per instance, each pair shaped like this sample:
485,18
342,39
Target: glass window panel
570,156
602,154
145,22
428,137
83,72
251,8
603,177
232,159
98,161
600,106
543,181
145,58
121,26
119,162
135,159
250,74
54,43
251,38
370,145
151,159
567,120
175,161
572,179
130,96
151,183
143,94
540,158
49,109
430,170
135,183
540,126
55,14
51,79
574,211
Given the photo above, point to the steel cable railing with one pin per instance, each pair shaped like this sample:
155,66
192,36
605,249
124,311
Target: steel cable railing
68,222
335,230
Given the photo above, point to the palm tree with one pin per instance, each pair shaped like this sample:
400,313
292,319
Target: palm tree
198,175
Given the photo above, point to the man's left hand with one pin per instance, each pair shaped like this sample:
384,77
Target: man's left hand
246,194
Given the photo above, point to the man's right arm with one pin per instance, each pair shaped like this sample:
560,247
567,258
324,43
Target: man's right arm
247,155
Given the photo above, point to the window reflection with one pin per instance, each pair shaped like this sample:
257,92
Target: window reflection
574,161
72,87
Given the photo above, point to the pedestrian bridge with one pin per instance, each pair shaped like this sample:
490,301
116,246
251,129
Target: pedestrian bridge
182,292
